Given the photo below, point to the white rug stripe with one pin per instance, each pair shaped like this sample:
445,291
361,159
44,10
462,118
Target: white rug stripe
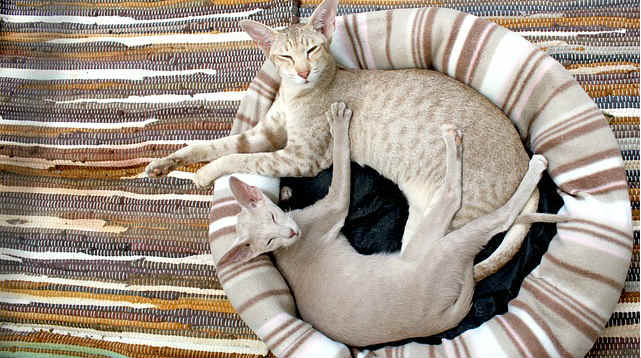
103,193
26,299
110,285
39,163
587,70
204,259
118,20
131,41
164,98
106,146
131,74
623,112
83,125
51,222
237,346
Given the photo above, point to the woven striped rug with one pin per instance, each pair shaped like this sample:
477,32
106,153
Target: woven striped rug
96,261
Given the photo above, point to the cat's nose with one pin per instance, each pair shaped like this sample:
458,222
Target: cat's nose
292,233
304,74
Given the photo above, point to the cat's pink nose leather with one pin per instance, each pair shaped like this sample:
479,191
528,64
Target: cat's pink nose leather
304,74
292,233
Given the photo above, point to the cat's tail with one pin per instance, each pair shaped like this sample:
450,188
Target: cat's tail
511,243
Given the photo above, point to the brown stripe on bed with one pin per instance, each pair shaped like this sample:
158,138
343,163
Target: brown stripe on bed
571,301
533,68
579,118
277,330
469,48
627,245
597,183
301,340
550,334
614,284
551,302
582,130
511,337
262,296
534,345
452,39
592,158
227,276
555,92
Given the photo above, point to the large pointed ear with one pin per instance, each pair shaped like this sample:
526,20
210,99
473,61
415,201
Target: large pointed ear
240,251
262,34
247,195
324,17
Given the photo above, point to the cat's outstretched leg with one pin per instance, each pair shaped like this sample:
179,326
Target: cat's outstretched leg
437,218
475,234
267,136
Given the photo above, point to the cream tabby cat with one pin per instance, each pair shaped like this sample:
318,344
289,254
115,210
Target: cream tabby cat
395,126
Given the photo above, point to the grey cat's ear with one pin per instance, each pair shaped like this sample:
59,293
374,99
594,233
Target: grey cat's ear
247,195
324,17
240,251
262,34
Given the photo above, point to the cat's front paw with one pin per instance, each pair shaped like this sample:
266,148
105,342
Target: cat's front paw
539,163
338,114
161,167
203,179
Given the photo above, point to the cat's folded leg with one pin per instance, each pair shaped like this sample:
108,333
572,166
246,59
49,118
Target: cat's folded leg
267,135
437,218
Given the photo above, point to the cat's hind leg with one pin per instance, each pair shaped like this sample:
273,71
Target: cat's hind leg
435,221
473,236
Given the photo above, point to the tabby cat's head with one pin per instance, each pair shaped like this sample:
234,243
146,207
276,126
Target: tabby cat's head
301,51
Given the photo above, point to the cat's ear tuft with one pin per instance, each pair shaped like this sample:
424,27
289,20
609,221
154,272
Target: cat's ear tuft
247,195
324,17
263,35
240,251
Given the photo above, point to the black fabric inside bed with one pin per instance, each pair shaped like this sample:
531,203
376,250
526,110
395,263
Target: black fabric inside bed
377,215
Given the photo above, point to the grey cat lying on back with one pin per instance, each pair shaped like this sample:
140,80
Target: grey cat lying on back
370,299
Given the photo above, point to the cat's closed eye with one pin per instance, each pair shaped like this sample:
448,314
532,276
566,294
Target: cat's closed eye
270,241
312,50
285,58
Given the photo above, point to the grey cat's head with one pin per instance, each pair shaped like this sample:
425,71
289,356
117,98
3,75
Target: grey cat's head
262,226
301,51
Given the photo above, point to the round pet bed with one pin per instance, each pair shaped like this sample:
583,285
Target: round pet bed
565,302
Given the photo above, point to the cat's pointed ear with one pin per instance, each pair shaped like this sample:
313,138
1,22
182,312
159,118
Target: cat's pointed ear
324,17
240,251
247,195
262,34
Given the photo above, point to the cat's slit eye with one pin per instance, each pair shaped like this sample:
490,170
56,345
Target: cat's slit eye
269,242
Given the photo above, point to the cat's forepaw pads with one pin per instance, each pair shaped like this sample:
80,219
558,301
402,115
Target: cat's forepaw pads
340,112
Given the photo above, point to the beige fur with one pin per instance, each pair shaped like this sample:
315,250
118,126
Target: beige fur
368,299
395,128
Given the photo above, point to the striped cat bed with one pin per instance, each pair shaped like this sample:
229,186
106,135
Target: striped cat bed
567,300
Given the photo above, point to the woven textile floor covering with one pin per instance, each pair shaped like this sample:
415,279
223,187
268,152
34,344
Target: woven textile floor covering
97,261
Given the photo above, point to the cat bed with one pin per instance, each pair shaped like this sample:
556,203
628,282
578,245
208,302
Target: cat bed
566,300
